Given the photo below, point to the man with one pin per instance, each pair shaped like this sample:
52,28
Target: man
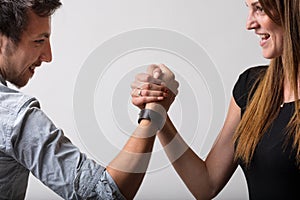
30,142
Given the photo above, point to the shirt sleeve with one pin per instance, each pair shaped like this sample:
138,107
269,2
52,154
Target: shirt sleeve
239,90
247,81
37,144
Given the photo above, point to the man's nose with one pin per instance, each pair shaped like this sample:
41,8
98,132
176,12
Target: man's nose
46,55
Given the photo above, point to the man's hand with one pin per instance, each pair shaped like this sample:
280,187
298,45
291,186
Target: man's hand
148,88
157,85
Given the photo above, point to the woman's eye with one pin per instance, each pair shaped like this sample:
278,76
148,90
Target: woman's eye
259,9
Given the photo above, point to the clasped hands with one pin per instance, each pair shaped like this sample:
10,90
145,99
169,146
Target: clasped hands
155,90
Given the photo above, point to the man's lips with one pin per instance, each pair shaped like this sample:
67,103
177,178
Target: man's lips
32,67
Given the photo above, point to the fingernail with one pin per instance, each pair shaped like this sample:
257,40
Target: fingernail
160,98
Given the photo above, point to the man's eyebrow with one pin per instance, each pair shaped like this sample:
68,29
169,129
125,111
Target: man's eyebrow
46,35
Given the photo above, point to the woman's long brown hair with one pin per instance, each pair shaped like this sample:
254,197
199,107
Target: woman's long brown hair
264,106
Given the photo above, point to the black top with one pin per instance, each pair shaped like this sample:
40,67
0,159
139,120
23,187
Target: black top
273,172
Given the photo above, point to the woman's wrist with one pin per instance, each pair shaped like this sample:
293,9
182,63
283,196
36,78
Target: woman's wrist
156,107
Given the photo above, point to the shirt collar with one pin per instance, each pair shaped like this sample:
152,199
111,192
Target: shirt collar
2,80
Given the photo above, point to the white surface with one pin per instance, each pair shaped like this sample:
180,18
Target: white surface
79,27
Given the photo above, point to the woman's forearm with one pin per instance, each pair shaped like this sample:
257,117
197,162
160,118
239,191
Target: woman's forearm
187,164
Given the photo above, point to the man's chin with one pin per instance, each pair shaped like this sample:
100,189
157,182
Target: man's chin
19,84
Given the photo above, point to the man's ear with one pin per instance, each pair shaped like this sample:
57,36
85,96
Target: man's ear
3,42
2,38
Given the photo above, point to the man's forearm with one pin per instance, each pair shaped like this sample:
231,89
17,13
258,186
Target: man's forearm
130,165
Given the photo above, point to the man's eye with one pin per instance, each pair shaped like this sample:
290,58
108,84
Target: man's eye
39,41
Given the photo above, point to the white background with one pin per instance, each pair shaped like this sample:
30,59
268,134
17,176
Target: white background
81,26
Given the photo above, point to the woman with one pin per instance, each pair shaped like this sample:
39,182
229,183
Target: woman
261,132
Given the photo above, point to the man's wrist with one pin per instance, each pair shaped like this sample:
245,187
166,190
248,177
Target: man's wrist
155,117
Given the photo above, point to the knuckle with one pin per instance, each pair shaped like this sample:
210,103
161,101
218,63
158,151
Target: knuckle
146,93
147,86
147,78
133,86
140,77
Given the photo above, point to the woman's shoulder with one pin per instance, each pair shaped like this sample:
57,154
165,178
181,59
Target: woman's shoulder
253,73
247,81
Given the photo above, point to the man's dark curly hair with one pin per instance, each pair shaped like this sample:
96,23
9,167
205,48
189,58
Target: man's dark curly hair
14,15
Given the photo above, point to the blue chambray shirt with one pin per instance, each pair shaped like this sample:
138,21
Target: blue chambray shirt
30,142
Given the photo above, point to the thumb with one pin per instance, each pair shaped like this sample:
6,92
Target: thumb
154,70
157,72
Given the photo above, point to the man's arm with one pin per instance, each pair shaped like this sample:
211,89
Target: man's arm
39,146
130,165
204,178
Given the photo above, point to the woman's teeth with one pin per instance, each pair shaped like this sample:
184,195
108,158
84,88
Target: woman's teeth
264,36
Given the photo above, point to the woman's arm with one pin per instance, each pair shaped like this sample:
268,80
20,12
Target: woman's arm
204,178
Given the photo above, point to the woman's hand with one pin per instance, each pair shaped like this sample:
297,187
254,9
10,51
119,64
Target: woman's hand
147,88
158,86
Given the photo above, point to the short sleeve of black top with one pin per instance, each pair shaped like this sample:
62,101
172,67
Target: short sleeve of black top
273,172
